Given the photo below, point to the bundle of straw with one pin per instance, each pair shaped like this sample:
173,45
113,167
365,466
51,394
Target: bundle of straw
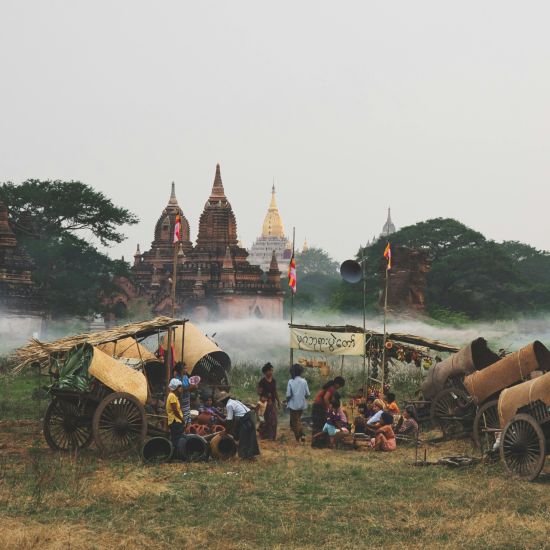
39,352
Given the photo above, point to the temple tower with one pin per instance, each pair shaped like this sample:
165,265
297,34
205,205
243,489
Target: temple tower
271,240
389,227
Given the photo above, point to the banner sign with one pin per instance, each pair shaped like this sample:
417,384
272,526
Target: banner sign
329,343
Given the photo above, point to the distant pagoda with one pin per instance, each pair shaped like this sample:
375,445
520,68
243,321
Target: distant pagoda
272,240
389,227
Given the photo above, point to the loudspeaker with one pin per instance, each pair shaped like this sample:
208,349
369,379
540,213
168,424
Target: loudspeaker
351,271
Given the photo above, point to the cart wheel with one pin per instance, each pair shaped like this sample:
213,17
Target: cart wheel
453,410
485,421
66,426
523,447
119,423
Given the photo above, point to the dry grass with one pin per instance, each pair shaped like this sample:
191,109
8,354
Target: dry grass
294,496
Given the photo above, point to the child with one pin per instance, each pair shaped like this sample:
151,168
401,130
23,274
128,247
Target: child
260,407
333,423
384,438
391,405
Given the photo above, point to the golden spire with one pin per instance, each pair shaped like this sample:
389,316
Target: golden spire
273,225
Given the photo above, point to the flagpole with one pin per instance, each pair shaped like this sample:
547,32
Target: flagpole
383,377
174,274
366,373
292,295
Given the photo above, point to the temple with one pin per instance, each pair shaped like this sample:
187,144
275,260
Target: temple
20,301
214,279
272,240
389,227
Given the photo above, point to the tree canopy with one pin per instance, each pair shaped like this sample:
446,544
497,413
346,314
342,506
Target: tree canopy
470,275
51,219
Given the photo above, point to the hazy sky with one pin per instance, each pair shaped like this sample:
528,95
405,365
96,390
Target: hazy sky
435,108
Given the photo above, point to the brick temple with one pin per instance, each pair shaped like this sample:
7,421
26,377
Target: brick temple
215,280
21,307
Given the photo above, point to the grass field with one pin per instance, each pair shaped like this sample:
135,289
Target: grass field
292,497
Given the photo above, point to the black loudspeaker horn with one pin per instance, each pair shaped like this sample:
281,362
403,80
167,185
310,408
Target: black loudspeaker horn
351,271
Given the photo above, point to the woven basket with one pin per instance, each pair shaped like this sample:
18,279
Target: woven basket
117,376
513,368
512,399
128,348
191,346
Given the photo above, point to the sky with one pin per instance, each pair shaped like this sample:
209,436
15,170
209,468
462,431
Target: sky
433,108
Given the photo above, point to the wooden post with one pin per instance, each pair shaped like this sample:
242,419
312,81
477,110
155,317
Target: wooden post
168,358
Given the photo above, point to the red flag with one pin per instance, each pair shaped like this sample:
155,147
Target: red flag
177,229
292,274
387,255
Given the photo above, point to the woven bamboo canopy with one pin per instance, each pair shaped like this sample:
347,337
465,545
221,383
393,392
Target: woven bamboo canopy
37,352
435,345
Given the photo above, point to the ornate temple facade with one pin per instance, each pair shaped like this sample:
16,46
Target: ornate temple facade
272,240
214,279
20,300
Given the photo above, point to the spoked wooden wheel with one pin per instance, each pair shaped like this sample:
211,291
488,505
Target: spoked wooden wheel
67,426
486,426
523,447
452,409
119,424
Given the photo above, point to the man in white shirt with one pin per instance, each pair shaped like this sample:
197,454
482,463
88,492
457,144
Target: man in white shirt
241,424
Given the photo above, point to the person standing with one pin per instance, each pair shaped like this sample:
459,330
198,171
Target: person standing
297,391
180,372
173,411
268,386
240,423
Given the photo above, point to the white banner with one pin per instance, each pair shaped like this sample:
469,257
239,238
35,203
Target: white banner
329,343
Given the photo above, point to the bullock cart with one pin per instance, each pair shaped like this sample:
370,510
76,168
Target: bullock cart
484,388
524,416
449,403
109,388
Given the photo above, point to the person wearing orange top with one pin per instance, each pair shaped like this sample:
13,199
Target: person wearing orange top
391,405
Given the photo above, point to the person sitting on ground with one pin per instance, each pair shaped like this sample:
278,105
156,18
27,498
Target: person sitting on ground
320,408
260,408
384,438
332,423
375,420
173,411
391,405
240,423
337,406
367,409
368,424
408,423
216,416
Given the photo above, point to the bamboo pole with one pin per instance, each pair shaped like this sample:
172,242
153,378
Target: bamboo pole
174,276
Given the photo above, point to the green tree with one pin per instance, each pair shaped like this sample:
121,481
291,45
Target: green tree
470,276
316,260
51,220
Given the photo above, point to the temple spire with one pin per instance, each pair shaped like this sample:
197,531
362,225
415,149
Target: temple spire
389,227
173,199
217,189
274,265
273,224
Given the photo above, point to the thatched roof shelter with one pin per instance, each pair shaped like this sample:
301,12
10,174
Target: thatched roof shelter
37,352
